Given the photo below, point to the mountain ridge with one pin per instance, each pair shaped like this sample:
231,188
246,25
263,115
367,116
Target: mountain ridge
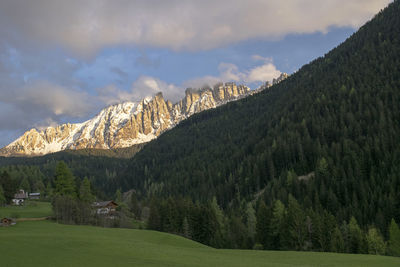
128,123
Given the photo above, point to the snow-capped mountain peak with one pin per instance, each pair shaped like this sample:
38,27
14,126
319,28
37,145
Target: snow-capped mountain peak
124,124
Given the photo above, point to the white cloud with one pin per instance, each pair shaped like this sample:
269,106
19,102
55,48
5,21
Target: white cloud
39,104
230,72
56,99
261,58
88,26
144,86
263,73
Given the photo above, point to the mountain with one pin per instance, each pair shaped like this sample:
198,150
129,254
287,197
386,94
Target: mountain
126,124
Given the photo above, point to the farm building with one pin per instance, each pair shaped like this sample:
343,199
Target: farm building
34,195
105,207
20,197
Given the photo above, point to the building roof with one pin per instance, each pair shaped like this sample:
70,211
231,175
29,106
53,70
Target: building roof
103,203
34,194
21,194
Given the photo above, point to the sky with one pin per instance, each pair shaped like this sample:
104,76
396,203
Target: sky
63,61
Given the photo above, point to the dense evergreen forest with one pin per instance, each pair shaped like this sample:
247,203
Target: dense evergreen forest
321,148
313,163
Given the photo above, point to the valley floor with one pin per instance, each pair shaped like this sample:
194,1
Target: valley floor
44,243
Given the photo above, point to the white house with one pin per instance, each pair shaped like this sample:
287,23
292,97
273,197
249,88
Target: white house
20,197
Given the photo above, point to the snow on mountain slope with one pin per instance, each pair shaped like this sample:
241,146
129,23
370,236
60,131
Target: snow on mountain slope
125,124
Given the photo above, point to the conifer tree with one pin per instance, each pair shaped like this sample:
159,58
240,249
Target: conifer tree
118,196
39,186
296,225
337,242
49,190
85,194
394,239
25,185
2,197
355,236
64,181
64,202
186,228
376,244
134,205
262,224
277,225
154,220
251,221
9,186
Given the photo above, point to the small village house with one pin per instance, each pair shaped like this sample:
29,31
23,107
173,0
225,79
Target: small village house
105,207
20,197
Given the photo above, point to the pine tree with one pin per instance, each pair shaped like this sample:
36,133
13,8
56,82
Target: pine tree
2,197
118,196
394,239
186,228
49,190
251,220
296,225
9,186
376,244
355,236
85,194
134,205
65,201
25,185
154,220
64,181
277,225
39,186
337,242
262,225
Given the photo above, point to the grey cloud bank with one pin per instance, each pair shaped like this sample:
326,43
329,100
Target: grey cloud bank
86,26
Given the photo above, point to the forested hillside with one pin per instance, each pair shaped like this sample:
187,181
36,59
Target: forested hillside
328,136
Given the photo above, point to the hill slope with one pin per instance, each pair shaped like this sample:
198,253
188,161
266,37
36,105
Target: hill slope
50,244
336,120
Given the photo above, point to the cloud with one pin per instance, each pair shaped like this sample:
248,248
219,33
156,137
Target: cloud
263,73
85,27
147,61
229,72
54,99
143,87
39,102
119,72
261,58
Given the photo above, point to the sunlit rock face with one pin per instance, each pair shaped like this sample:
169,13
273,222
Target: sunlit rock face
124,124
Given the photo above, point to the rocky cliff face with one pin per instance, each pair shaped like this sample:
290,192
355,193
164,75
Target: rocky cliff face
124,124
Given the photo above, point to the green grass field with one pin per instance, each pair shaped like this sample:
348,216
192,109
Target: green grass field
31,209
44,243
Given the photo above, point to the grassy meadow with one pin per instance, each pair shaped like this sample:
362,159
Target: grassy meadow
45,243
31,209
